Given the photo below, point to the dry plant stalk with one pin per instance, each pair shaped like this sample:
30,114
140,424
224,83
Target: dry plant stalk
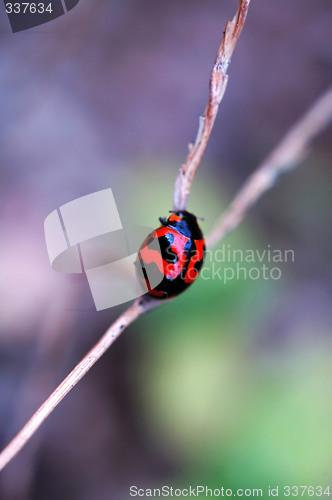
284,157
287,154
218,82
139,307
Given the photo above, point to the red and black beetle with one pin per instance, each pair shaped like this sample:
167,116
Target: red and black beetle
174,253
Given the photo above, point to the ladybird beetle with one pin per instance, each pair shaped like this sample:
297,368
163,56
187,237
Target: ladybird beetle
172,255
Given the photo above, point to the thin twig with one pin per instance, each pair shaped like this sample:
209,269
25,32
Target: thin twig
284,157
218,82
38,378
140,306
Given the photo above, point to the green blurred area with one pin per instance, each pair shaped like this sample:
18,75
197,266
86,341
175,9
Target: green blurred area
234,380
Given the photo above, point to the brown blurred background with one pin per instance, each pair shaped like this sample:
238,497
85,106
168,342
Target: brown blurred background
228,385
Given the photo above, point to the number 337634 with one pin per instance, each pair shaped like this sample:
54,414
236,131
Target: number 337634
28,8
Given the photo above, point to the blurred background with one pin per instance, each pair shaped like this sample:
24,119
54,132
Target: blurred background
230,384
